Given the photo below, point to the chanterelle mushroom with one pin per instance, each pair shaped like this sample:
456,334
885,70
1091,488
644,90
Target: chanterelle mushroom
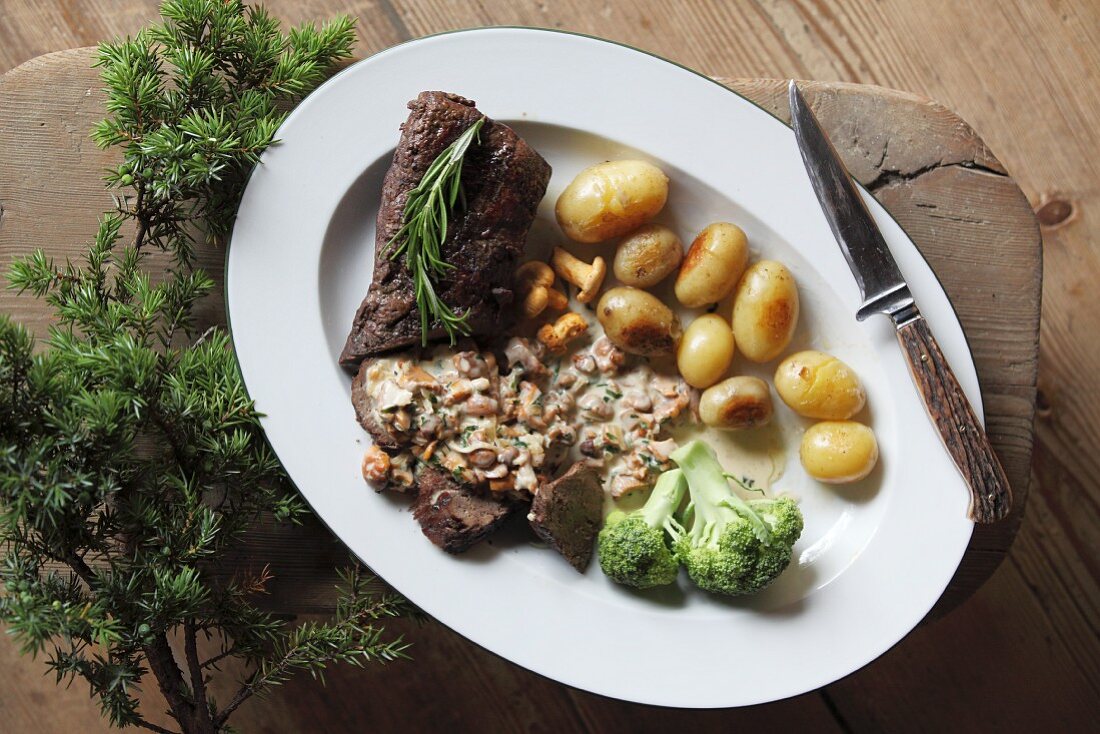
567,328
587,277
535,282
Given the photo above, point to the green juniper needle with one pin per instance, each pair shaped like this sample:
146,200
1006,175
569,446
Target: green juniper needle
424,229
131,455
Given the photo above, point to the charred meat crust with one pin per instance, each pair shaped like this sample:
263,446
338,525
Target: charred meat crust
567,513
504,180
455,516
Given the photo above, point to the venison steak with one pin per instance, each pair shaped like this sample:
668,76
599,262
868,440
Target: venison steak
504,180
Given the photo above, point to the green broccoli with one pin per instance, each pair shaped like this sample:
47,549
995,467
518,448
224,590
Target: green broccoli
633,548
734,546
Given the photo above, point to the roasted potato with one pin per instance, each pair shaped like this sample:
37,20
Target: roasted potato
637,322
713,264
647,256
765,311
611,199
818,385
838,452
705,351
737,403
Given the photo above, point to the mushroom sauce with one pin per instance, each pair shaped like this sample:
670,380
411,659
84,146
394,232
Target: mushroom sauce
511,425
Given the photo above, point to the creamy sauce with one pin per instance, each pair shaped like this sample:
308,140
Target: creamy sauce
512,424
515,424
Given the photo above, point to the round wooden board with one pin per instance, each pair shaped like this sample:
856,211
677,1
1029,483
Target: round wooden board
925,164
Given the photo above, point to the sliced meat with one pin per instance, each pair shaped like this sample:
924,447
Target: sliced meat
504,180
567,512
455,516
365,414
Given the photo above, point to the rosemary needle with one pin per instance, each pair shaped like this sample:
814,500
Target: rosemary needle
423,230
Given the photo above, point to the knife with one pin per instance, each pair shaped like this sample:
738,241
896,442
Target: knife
885,291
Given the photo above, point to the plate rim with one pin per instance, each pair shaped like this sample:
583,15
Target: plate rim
977,399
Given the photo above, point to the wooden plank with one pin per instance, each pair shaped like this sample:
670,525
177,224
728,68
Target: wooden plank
809,712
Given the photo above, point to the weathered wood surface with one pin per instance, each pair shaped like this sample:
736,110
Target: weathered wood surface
1022,653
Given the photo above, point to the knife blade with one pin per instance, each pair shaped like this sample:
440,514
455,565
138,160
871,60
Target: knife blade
885,291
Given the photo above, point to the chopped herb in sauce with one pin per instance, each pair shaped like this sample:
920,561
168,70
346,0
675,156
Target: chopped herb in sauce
539,434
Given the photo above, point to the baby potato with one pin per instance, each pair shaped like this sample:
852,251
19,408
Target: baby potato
610,199
712,265
637,322
837,452
737,403
818,385
765,311
647,256
705,351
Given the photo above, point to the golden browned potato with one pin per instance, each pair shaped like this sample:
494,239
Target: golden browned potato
637,322
818,385
712,265
705,351
838,452
610,199
737,403
765,311
647,256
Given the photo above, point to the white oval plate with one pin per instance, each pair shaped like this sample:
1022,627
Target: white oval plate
874,557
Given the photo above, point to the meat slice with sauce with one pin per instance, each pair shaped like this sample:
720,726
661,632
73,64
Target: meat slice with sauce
366,413
567,512
503,178
454,516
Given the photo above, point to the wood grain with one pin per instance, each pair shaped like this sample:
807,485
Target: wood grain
959,427
1022,653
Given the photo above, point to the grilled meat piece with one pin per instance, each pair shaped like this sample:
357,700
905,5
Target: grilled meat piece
567,513
364,412
455,516
503,178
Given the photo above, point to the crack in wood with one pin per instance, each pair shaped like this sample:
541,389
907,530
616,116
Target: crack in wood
958,218
889,177
882,158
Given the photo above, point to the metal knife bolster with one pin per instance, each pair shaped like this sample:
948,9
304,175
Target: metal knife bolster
897,303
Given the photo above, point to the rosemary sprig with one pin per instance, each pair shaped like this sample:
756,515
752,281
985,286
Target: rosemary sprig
424,228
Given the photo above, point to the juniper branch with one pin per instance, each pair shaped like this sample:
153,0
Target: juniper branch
130,458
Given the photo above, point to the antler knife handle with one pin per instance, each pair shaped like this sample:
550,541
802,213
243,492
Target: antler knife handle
962,434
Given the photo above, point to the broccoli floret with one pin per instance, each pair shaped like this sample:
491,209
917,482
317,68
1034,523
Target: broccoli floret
633,547
734,546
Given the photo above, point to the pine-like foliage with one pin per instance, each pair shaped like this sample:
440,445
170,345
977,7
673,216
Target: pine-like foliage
130,454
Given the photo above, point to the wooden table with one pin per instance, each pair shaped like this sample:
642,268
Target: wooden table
928,168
